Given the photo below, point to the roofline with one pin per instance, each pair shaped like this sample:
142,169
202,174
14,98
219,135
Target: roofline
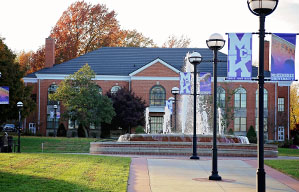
154,62
29,80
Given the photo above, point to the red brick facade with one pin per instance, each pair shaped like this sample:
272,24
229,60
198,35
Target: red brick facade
160,73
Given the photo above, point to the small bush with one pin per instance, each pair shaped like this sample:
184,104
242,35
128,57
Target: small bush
139,130
251,135
286,144
230,132
61,132
296,140
81,132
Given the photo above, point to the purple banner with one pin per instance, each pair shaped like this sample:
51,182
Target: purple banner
4,95
205,83
239,66
185,83
283,57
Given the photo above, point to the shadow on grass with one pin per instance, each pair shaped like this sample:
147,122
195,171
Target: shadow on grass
23,183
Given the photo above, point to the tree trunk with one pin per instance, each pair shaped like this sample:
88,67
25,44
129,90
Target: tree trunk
86,132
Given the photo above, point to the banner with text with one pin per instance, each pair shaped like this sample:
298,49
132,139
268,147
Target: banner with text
205,83
4,95
283,57
239,56
185,83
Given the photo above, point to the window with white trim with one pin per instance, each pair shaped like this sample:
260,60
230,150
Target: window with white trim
281,133
280,104
240,98
239,124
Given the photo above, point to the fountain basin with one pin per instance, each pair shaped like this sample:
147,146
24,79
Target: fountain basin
182,138
173,146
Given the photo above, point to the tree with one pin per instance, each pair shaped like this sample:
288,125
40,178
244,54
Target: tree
32,61
136,39
129,109
228,115
294,106
82,100
83,28
175,42
251,135
24,59
11,76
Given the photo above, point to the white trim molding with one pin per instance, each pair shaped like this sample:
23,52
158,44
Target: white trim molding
154,62
97,77
29,80
155,78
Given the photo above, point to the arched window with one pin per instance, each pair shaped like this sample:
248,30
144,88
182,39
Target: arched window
115,88
52,89
240,98
53,114
221,97
265,99
157,96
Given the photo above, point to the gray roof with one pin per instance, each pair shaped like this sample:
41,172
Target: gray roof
122,61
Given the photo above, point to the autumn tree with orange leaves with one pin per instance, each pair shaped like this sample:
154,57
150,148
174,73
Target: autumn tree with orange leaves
82,28
175,42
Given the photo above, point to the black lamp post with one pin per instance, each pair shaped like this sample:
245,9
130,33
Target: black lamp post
172,101
195,59
215,43
175,91
261,8
55,114
20,106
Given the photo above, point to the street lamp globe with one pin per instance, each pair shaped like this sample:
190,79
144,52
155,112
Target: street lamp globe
195,58
175,90
55,106
258,7
20,104
171,99
215,42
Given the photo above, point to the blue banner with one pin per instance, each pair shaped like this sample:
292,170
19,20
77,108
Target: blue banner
185,83
4,95
205,83
239,56
283,57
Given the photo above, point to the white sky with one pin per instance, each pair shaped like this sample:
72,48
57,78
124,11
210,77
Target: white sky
26,23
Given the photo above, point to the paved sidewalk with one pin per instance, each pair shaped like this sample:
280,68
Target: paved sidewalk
163,174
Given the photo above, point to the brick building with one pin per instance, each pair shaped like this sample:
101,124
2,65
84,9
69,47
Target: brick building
151,73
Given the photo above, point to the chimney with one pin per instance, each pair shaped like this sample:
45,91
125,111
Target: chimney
266,56
50,52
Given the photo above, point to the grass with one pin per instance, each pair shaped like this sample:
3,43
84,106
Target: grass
62,172
288,152
289,167
32,144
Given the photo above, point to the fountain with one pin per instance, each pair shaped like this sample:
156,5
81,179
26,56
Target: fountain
181,143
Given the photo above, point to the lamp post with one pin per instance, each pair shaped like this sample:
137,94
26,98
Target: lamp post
195,59
171,99
55,114
175,91
215,43
261,8
20,106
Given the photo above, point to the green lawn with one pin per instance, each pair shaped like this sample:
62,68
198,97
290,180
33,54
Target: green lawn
62,172
288,152
289,167
32,144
